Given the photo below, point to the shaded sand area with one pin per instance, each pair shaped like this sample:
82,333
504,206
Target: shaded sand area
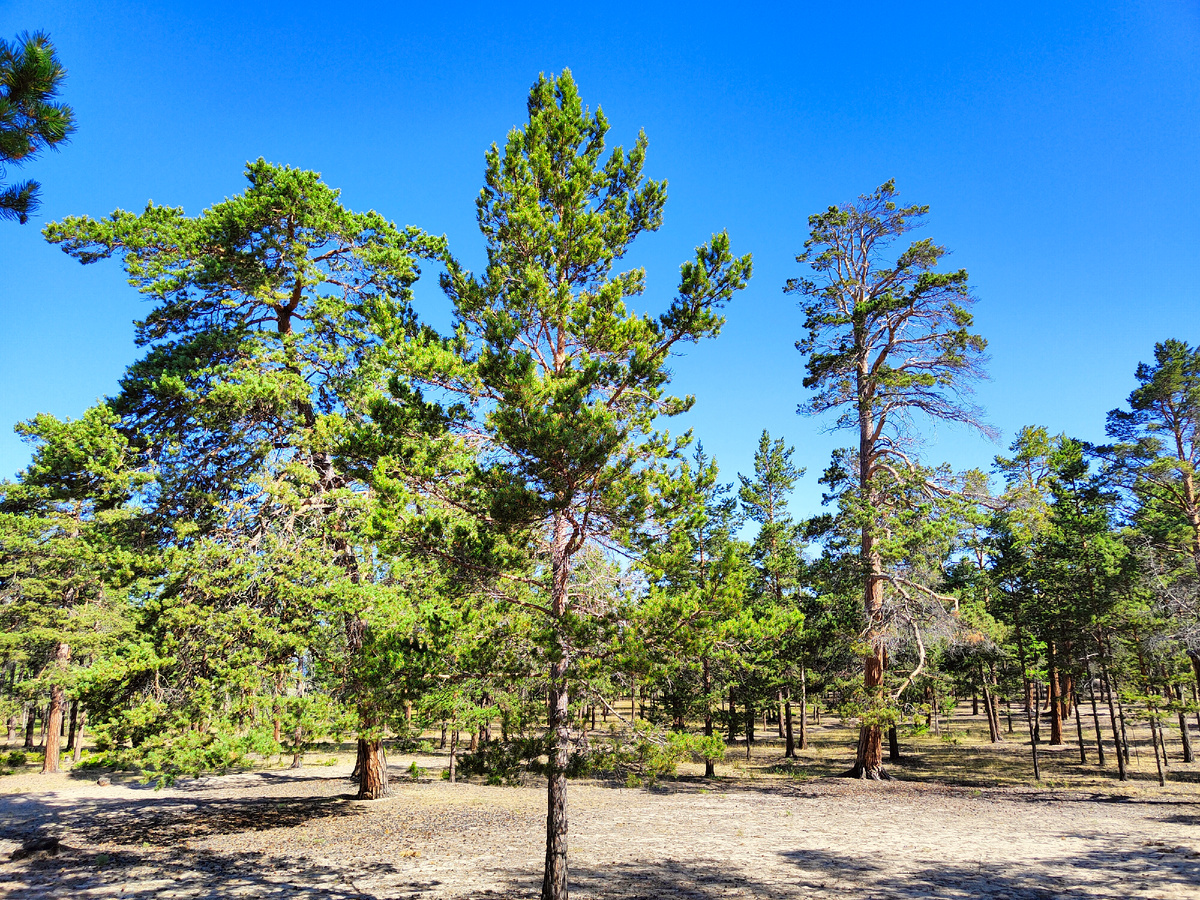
281,834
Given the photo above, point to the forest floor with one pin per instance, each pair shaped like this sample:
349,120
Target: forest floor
960,819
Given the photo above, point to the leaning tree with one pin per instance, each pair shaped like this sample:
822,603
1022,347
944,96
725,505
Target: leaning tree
888,342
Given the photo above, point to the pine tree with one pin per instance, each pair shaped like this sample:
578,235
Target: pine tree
887,342
570,380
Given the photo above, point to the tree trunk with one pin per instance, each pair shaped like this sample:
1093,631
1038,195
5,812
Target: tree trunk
1030,718
54,720
554,877
868,758
1056,729
779,719
74,725
1188,756
1096,717
789,750
993,722
733,733
12,730
803,708
298,749
1079,731
79,737
1158,762
749,705
373,778
893,745
454,757
706,676
31,726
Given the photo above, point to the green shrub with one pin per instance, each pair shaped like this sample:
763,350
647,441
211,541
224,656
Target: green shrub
16,759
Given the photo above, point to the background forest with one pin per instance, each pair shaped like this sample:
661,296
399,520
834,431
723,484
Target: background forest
311,514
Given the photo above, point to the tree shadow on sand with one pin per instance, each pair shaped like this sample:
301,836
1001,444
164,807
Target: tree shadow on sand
162,820
142,875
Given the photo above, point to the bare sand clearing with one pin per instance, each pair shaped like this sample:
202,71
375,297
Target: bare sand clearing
298,835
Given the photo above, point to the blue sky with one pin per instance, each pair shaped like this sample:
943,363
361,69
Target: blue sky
1057,144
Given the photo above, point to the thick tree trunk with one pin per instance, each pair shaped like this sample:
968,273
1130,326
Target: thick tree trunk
54,720
31,726
868,758
12,730
1056,729
893,745
373,777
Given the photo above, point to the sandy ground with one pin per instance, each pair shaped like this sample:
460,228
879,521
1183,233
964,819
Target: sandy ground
298,835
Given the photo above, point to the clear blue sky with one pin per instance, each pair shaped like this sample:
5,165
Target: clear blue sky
1057,144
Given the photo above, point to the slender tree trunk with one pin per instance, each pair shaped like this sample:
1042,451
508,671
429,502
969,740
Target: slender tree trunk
733,733
54,720
554,879
454,757
1030,717
1184,738
75,754
780,716
1079,731
1158,761
709,768
749,705
74,725
1096,717
993,724
789,750
31,726
803,707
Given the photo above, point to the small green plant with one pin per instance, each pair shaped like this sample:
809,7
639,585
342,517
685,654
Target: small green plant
332,761
414,771
16,759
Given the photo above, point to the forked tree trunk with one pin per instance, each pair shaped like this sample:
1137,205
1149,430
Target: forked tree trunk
54,720
373,777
